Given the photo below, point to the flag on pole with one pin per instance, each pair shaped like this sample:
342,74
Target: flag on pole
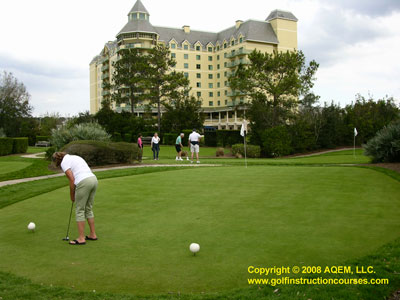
243,128
355,132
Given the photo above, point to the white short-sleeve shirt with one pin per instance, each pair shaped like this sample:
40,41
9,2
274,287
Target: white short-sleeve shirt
78,166
155,140
194,136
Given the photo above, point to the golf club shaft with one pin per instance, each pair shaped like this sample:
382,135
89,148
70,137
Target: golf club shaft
69,221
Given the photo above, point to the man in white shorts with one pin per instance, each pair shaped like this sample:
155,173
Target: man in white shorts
194,140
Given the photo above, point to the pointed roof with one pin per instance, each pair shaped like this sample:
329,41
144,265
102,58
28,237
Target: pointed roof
281,14
139,7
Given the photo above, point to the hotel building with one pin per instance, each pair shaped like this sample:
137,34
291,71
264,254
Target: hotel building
206,58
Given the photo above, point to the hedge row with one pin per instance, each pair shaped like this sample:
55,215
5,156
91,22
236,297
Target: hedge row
252,151
222,138
97,153
13,145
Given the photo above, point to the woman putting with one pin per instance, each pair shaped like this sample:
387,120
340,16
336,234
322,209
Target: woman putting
82,187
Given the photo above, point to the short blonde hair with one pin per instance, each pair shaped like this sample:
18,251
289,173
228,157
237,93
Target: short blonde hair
57,158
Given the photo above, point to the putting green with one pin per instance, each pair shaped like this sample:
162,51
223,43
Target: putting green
7,167
261,216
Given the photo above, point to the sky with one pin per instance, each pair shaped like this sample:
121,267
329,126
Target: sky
49,44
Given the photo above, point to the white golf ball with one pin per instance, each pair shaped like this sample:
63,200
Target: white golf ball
31,226
194,247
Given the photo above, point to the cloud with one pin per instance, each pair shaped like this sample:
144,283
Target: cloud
368,7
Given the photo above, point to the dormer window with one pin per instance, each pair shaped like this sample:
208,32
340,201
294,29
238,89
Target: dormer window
142,16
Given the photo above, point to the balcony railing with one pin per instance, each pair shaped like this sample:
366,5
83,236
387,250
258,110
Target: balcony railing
238,62
238,52
235,94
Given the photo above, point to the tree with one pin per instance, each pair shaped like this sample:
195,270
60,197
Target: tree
128,78
273,82
14,104
162,84
182,114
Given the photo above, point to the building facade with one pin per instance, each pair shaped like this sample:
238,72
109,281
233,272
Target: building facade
206,58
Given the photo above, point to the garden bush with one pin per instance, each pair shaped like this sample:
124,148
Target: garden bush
97,153
220,152
86,131
6,146
228,137
170,138
127,137
276,141
385,145
20,145
50,152
252,151
210,138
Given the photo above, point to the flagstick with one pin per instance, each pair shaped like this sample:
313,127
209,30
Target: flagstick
245,132
354,146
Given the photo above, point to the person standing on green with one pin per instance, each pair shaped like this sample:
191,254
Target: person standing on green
179,146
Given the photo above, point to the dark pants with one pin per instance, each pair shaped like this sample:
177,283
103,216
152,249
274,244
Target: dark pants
156,150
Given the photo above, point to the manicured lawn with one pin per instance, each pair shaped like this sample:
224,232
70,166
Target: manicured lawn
36,149
263,215
167,151
12,166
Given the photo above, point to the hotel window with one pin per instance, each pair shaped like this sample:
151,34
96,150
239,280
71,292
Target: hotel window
218,57
185,47
225,54
211,94
218,67
210,67
198,84
173,55
186,56
198,67
210,103
186,65
210,58
225,45
173,46
218,85
241,99
232,43
142,16
210,49
241,40
198,75
198,48
219,94
197,57
226,92
210,85
217,48
187,75
225,64
226,83
225,73
210,76
218,75
198,94
226,102
219,103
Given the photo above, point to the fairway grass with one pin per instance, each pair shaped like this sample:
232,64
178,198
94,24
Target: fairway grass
262,216
12,166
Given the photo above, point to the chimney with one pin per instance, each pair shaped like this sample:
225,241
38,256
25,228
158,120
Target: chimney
186,28
238,23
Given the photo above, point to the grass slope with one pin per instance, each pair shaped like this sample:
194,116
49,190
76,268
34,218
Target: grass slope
263,216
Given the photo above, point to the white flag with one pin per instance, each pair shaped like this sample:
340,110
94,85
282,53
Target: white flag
355,132
243,128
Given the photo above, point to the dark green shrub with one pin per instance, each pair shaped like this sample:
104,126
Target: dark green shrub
385,145
187,132
170,138
127,137
50,152
97,153
6,146
210,138
116,137
228,137
43,138
252,151
20,145
276,141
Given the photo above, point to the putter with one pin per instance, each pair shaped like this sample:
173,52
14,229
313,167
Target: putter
69,222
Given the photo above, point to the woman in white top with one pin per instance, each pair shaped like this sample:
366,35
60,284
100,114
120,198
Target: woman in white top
82,186
155,145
